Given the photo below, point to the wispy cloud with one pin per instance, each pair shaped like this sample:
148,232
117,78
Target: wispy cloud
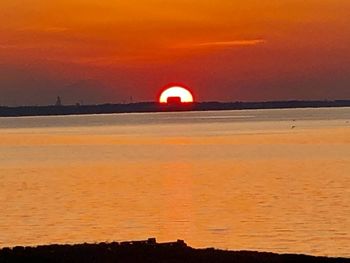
8,46
218,44
252,42
48,29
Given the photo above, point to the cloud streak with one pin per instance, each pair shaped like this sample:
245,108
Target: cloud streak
252,42
223,44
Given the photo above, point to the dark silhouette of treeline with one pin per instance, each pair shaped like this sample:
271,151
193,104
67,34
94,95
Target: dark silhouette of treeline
156,107
145,251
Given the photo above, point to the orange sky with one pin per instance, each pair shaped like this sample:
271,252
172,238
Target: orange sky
106,51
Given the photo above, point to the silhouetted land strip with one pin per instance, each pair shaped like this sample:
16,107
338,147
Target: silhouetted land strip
156,107
145,251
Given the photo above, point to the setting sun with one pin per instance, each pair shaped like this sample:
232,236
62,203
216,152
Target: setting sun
176,94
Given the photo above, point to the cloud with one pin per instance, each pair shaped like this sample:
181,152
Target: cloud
232,43
48,29
218,44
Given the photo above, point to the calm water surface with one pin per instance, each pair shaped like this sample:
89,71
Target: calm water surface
271,180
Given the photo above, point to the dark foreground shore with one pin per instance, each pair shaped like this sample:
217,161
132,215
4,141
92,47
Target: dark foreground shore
156,107
145,251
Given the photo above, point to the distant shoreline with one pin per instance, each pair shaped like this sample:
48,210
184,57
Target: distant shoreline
144,107
146,251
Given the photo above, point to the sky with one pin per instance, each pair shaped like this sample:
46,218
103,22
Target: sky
99,51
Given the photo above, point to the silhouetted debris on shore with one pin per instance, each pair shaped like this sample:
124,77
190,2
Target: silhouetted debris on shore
156,107
145,251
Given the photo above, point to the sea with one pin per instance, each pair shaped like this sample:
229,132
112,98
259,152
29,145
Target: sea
263,180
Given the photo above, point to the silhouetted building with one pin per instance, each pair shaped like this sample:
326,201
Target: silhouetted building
174,100
58,101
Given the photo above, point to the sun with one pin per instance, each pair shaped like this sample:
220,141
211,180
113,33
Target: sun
176,94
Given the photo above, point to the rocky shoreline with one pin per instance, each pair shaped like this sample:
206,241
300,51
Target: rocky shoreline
145,251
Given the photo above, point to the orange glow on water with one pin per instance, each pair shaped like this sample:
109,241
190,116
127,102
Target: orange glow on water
175,92
206,189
